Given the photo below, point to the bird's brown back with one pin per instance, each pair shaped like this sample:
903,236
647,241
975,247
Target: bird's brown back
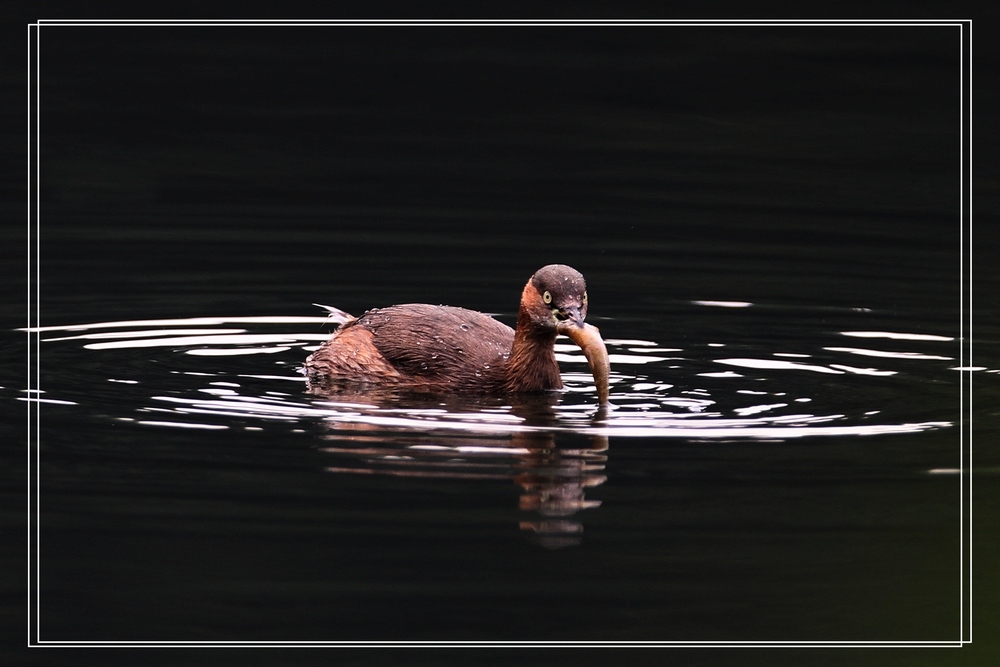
457,347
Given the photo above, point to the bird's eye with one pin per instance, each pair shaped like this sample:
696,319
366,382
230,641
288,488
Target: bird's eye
547,297
585,298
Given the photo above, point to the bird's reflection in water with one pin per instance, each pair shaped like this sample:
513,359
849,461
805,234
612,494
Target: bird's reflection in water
553,468
554,480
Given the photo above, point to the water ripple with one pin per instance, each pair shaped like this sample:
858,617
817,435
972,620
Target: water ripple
650,399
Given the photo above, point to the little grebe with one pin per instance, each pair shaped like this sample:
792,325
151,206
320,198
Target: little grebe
447,349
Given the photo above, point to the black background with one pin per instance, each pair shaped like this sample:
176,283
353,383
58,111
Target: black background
209,179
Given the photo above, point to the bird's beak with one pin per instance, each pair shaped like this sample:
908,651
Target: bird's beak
588,337
571,314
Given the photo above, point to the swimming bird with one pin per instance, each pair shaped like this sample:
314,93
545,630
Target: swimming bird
447,349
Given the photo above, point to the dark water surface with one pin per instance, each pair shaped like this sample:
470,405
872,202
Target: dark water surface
768,220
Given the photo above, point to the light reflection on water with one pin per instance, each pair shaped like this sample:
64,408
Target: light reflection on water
645,400
554,447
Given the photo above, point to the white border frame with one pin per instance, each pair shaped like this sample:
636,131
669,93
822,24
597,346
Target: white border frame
965,327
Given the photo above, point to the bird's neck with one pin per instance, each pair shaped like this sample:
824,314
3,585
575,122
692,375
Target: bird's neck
532,363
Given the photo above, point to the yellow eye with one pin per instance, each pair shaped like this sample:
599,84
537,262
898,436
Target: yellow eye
547,297
585,298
